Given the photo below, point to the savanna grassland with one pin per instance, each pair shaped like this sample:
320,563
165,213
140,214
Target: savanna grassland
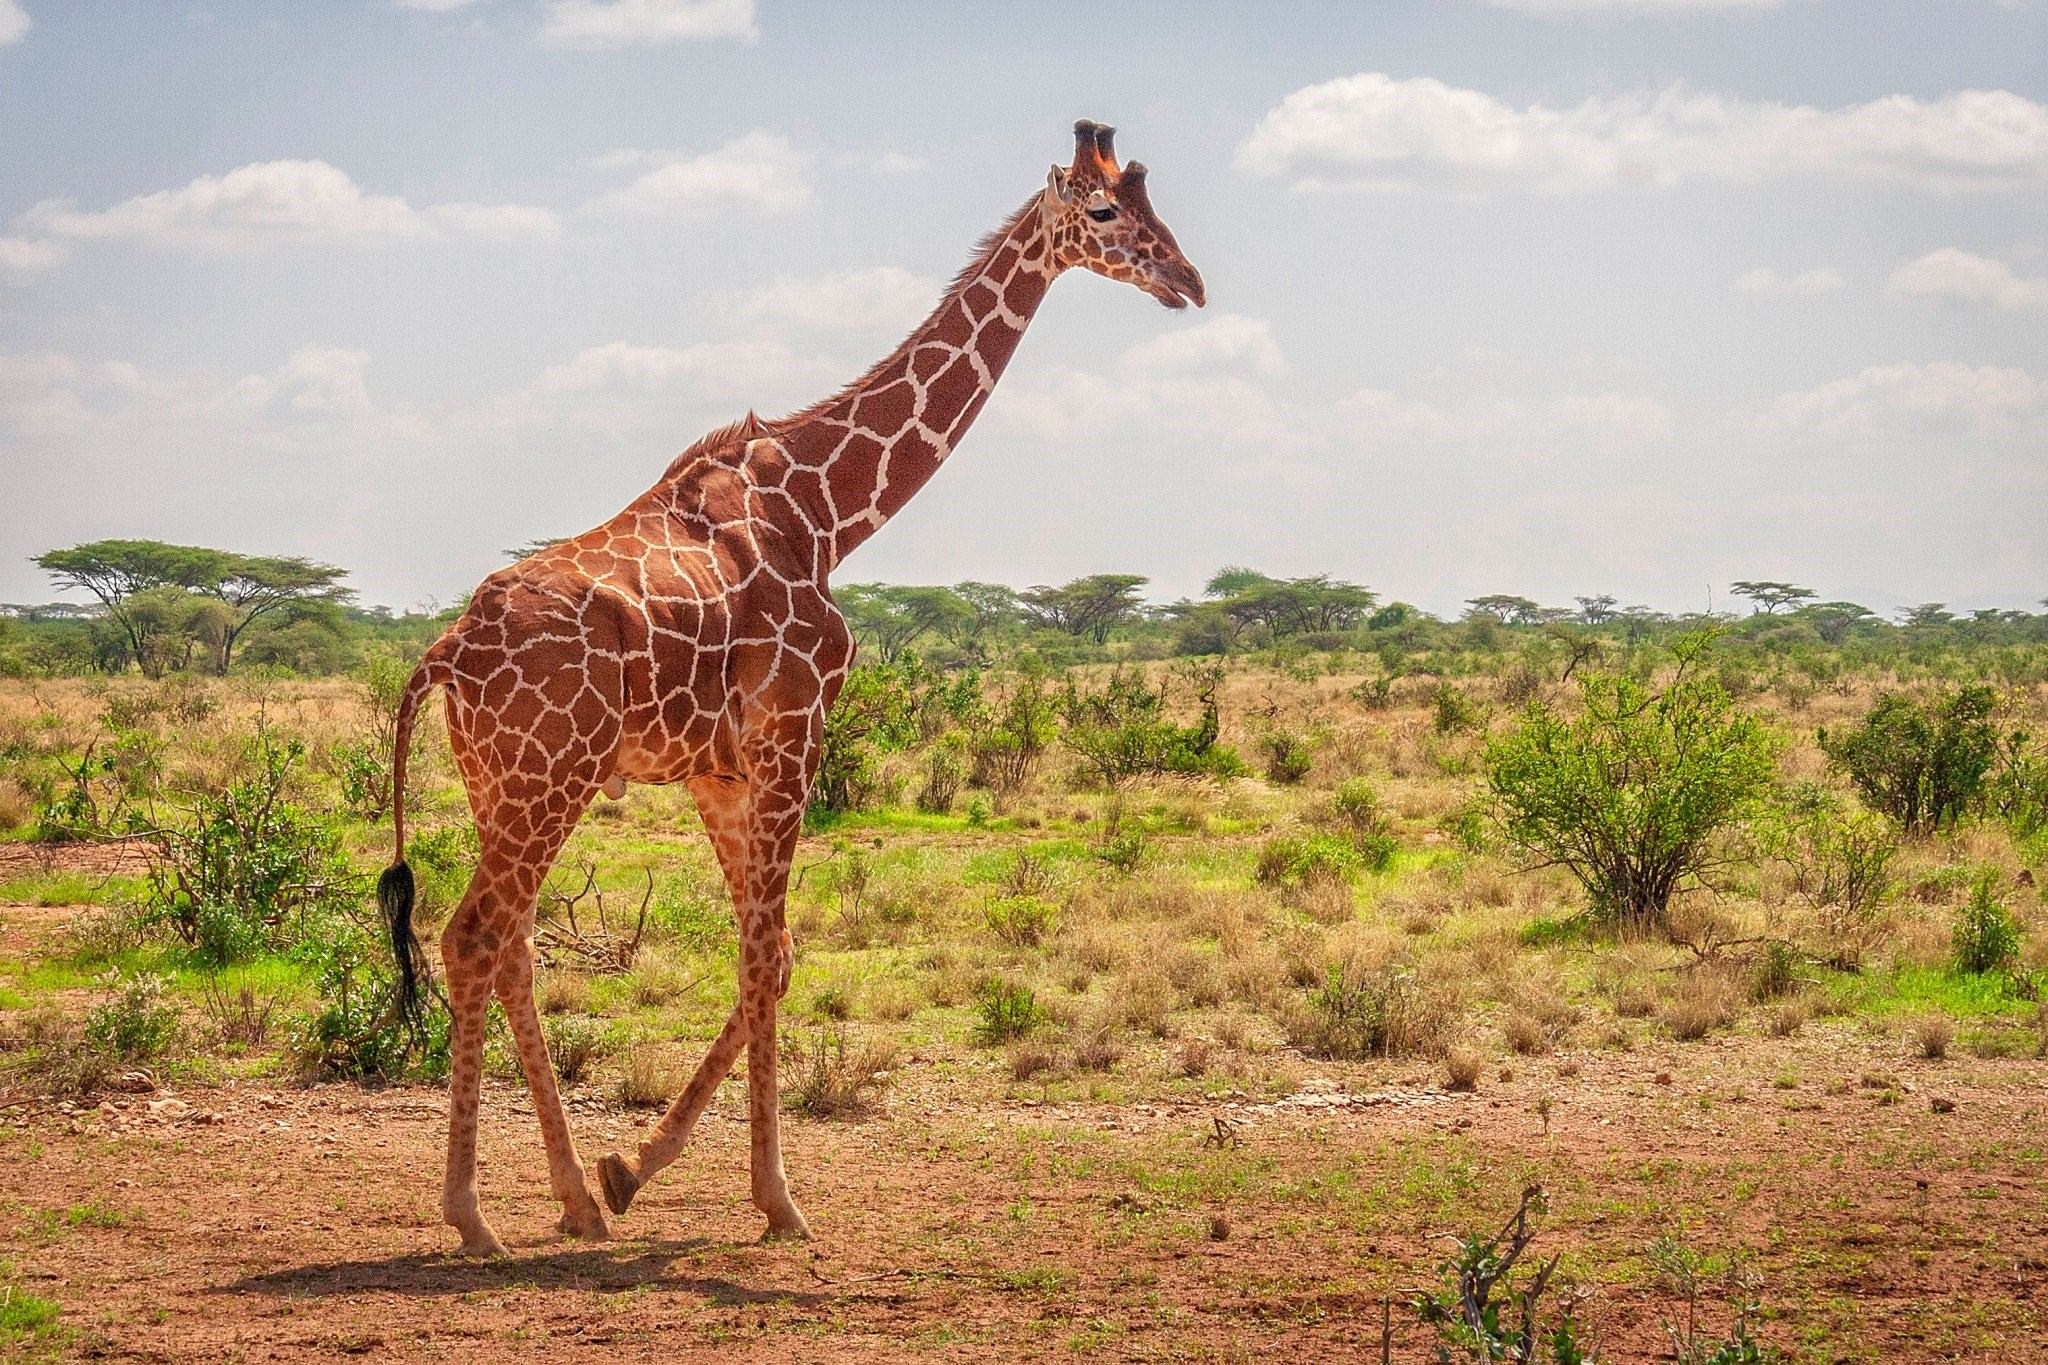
1144,1008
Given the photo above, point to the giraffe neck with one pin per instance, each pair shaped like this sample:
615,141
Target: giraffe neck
865,451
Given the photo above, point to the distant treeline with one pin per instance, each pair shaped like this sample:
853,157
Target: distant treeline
159,608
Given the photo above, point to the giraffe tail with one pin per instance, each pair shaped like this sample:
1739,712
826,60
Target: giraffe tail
395,889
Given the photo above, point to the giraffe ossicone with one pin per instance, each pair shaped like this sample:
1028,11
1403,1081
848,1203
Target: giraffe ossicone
692,638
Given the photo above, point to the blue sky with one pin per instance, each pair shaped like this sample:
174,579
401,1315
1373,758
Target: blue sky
1541,296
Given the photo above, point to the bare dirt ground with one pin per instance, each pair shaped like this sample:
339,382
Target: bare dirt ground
261,1222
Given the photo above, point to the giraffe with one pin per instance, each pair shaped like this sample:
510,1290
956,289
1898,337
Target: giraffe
692,638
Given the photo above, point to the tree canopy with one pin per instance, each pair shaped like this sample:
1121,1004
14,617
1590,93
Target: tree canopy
159,594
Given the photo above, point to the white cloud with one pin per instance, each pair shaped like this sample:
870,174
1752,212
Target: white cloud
1987,398
1960,276
498,222
1613,419
883,161
623,364
881,296
1372,129
759,172
24,256
1562,7
1380,417
434,6
1764,280
324,379
275,201
52,396
14,22
618,23
1205,381
1226,339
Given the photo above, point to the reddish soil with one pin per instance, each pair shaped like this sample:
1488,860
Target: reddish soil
103,859
266,1223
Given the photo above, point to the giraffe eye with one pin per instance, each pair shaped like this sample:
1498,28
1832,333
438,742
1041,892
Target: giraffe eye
1102,215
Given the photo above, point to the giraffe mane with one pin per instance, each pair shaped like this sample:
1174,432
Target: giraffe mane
718,439
984,252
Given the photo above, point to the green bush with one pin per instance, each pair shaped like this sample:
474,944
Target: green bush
1022,921
945,772
1841,864
358,1032
1292,861
249,871
1632,794
1121,730
135,1023
1451,711
1289,757
1357,802
1985,938
1005,1011
1921,762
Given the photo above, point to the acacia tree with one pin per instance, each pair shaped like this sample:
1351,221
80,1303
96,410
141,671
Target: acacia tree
1632,793
255,586
1286,606
1506,608
114,571
141,584
1769,595
1093,605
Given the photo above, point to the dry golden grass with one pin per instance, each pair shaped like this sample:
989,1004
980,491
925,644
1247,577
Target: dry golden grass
1703,999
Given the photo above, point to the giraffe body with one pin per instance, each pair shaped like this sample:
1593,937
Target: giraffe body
692,638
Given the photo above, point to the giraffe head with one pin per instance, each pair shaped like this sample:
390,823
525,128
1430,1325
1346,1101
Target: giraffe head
1100,217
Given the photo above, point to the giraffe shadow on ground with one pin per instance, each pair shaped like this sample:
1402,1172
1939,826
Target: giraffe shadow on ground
603,1270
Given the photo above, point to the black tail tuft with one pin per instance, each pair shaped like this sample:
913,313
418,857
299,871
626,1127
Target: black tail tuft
394,898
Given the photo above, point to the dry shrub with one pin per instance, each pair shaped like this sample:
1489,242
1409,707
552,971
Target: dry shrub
1462,1067
575,1044
1142,999
650,1079
1540,1019
659,979
1233,1032
16,808
891,998
1525,1034
1253,976
830,1074
1304,953
1193,973
1193,1057
1788,1016
1097,1046
1102,948
563,992
1932,1035
1032,1059
950,978
1702,999
1368,1008
1325,901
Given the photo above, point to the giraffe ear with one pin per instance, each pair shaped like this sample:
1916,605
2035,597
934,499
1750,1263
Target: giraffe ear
1057,190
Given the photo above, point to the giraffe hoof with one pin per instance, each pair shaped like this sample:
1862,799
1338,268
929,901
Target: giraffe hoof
787,1227
586,1225
481,1246
617,1181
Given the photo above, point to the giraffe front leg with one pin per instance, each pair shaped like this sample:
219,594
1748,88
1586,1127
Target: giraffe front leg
763,980
580,1214
621,1179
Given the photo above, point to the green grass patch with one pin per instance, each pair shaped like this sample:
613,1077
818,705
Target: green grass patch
25,1321
69,888
1960,995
